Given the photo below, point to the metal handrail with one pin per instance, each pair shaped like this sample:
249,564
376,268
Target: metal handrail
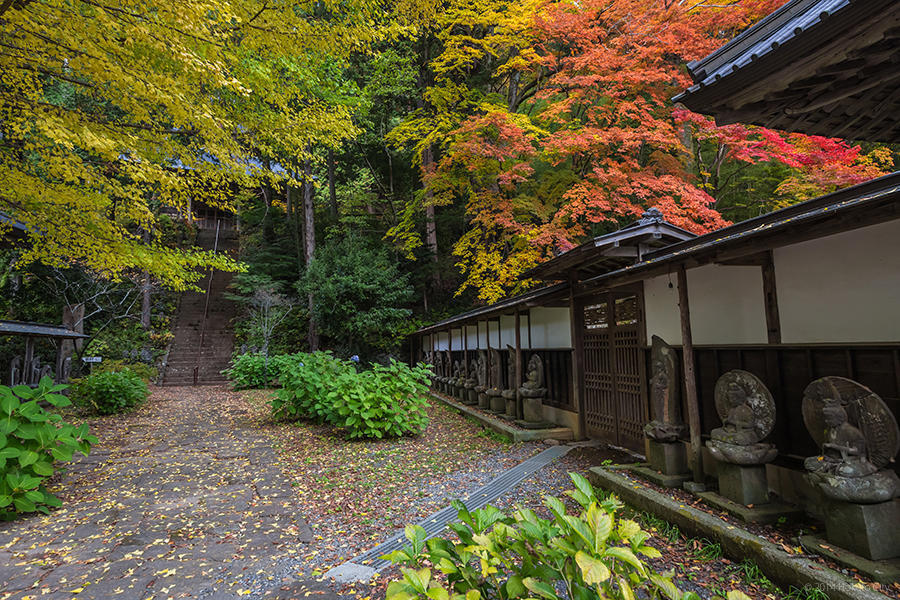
206,306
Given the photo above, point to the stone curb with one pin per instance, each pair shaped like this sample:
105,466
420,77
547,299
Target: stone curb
783,568
503,428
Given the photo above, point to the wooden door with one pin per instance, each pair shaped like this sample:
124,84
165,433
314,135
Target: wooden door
613,376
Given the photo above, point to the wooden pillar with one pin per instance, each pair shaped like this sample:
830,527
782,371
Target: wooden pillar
518,381
690,380
770,296
576,324
529,329
29,359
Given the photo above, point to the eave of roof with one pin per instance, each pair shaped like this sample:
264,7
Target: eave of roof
25,328
823,67
596,251
504,306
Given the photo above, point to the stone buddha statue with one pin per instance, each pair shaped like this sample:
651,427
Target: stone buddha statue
858,436
665,394
844,451
738,425
534,379
747,411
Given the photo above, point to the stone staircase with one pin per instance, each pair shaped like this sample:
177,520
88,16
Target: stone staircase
204,339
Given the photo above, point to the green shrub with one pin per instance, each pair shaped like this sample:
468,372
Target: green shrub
31,440
309,387
591,554
110,393
146,372
384,401
249,371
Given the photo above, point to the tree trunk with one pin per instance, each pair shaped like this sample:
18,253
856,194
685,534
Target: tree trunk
309,245
332,194
430,228
145,291
293,223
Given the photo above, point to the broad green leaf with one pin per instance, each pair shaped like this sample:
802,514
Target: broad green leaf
540,588
593,570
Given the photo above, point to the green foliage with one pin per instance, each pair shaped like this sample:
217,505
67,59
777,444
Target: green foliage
146,372
384,401
359,296
306,385
253,370
110,392
591,554
31,440
704,549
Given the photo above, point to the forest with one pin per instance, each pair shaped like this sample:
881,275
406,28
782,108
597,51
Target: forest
386,163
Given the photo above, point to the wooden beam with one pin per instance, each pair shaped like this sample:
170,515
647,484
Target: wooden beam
690,380
770,296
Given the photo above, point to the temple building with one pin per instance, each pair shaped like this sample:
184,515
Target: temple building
802,293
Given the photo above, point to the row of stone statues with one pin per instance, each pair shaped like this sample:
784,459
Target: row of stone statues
855,430
480,383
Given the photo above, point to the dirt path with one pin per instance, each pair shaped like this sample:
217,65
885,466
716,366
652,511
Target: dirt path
183,498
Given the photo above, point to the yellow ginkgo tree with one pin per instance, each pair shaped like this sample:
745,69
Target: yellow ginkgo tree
108,109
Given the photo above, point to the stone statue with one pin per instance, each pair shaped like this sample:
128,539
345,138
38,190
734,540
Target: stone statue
483,382
481,370
509,393
665,394
470,396
494,391
533,390
858,436
534,378
448,364
747,410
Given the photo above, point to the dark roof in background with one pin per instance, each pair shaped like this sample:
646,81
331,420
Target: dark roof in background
823,67
613,250
37,330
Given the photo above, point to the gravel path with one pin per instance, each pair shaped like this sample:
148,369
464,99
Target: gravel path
181,498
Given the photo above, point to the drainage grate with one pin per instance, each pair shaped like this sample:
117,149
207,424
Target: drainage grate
479,498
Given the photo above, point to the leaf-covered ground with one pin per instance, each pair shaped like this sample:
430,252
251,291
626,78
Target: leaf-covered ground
181,498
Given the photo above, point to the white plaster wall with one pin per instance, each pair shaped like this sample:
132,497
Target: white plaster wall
471,335
440,341
726,306
550,328
508,331
661,309
841,288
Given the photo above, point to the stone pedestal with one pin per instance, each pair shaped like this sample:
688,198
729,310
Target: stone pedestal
470,396
869,530
669,458
483,400
509,397
497,403
533,409
743,484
